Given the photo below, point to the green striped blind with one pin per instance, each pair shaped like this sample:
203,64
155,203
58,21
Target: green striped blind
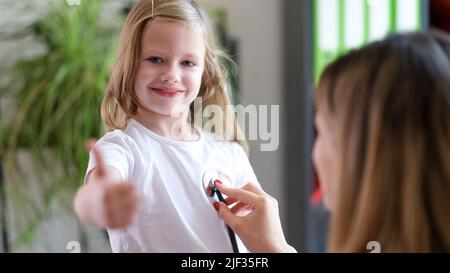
342,25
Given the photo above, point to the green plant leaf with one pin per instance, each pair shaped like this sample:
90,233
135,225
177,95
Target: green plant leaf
57,94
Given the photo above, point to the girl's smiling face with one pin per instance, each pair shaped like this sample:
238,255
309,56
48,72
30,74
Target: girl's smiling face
171,67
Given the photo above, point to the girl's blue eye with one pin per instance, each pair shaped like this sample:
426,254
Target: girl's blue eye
155,60
188,63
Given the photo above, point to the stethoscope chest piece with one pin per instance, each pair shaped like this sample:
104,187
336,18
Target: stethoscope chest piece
208,179
209,176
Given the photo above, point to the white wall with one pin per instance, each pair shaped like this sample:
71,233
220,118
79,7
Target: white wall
257,24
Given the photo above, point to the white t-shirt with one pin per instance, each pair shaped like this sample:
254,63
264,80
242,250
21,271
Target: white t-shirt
175,214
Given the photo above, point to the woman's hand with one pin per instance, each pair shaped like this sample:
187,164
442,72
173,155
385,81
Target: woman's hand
260,230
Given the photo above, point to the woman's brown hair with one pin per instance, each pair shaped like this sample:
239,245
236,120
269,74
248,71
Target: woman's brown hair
389,106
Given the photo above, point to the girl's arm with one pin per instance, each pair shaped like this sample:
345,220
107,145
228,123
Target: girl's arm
104,201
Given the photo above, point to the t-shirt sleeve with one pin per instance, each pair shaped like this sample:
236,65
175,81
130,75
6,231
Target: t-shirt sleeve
115,150
245,170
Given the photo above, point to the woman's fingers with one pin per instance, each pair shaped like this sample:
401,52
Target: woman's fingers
243,195
230,201
228,217
260,229
238,207
252,187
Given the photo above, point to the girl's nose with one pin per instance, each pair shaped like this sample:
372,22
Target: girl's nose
170,76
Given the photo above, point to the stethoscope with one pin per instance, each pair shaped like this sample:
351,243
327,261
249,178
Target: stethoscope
209,177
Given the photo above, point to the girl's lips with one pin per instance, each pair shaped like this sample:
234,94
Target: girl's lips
166,92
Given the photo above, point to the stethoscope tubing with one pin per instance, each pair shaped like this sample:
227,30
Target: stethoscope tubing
230,231
210,190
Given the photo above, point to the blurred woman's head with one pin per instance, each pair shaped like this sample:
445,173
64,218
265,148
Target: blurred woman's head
383,145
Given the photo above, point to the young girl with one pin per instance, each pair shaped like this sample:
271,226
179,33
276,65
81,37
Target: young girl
166,59
382,152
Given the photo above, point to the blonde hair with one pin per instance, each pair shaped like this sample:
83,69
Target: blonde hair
390,106
120,102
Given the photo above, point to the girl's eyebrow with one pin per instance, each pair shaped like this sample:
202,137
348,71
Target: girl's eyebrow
151,52
192,56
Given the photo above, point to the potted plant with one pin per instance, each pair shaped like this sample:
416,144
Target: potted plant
54,97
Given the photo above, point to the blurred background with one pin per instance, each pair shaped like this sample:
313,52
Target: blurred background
55,58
